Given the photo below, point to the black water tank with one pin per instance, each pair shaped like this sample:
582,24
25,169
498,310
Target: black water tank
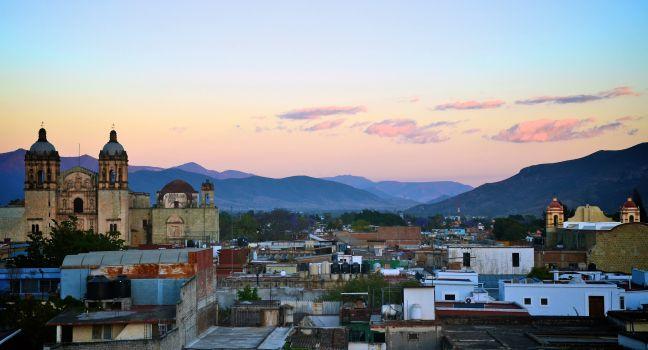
346,268
302,267
355,268
366,267
99,288
122,287
335,268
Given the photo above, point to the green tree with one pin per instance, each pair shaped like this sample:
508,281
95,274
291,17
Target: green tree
225,224
65,239
247,226
247,294
540,272
360,225
509,229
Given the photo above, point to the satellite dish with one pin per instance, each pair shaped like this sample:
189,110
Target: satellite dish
468,301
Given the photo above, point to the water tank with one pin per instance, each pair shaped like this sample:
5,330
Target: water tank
122,287
335,268
346,268
99,288
326,268
355,268
416,312
365,267
282,273
302,267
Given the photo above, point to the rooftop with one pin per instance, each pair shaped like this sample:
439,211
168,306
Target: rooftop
128,257
241,338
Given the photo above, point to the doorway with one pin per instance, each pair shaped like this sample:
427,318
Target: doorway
596,306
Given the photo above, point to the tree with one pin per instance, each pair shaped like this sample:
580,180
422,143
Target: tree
247,226
360,225
509,229
540,272
247,294
225,224
65,239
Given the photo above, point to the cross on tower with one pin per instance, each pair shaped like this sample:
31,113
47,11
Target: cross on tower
113,126
42,124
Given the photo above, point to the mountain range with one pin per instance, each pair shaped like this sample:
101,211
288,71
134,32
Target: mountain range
422,192
603,178
234,189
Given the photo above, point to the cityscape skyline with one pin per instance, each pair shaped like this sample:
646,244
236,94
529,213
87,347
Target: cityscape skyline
428,92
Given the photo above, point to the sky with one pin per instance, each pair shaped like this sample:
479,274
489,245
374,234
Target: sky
413,91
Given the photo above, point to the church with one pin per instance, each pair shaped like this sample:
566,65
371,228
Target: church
103,202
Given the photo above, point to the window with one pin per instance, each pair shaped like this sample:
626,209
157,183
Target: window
631,218
413,336
145,223
113,227
78,205
41,177
112,177
516,259
466,259
544,301
449,297
555,220
527,301
622,303
101,332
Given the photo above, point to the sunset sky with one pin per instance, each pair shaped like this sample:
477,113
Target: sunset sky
430,90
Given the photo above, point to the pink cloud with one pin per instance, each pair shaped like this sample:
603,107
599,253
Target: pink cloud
548,130
329,124
318,112
629,119
358,124
616,92
471,131
406,130
470,105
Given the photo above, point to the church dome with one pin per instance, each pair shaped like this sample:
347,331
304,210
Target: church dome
113,148
630,203
42,147
177,186
555,204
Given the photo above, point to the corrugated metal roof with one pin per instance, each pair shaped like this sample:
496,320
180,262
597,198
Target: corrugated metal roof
129,257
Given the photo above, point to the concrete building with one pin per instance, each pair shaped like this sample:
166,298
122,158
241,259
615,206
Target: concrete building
102,201
418,303
563,298
156,276
491,260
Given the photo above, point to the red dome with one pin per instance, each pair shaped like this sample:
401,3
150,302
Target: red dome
555,204
629,203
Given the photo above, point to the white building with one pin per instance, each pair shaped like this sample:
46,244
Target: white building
492,260
563,298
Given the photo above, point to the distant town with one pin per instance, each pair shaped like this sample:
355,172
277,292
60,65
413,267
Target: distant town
86,263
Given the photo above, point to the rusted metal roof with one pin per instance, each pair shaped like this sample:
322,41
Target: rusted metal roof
128,257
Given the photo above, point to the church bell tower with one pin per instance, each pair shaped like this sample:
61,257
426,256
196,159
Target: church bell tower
42,169
113,195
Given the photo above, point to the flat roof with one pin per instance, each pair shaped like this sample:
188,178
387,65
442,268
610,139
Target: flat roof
217,337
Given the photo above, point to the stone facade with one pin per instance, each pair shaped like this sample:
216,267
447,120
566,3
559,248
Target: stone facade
103,202
621,248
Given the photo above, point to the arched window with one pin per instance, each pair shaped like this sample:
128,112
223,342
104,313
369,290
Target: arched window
631,218
206,199
112,177
555,220
40,177
78,205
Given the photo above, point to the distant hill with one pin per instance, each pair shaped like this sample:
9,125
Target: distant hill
199,169
422,192
300,193
243,192
603,178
